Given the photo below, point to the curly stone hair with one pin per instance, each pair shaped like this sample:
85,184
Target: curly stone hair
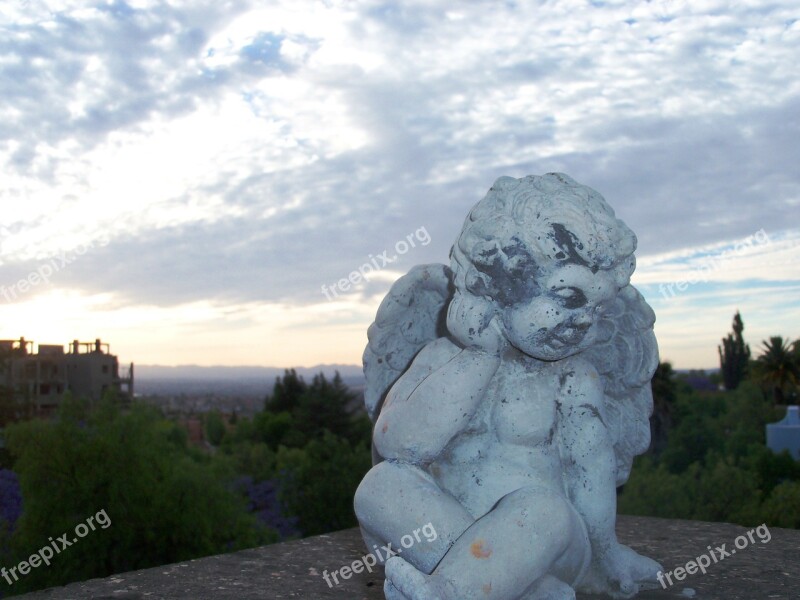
522,227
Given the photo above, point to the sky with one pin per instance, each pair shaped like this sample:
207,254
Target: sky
181,179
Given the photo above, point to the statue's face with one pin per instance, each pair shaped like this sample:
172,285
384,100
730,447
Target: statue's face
561,320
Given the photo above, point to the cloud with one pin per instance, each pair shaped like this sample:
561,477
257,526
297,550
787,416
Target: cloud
233,153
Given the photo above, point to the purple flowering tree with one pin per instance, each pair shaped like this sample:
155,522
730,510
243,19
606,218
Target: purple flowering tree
10,498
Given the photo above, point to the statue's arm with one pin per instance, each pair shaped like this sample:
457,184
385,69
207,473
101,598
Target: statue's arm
433,401
587,454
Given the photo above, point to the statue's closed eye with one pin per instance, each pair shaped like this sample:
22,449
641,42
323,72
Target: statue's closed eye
570,297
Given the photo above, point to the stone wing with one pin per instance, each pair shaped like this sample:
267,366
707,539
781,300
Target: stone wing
626,360
412,314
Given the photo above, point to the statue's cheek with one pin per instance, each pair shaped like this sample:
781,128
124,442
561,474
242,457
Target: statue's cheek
534,321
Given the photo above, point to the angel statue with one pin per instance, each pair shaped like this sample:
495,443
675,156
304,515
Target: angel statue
510,393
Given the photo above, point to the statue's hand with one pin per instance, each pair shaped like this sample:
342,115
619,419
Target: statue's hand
492,339
463,324
620,572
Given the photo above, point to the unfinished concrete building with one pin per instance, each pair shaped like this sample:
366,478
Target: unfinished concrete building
87,370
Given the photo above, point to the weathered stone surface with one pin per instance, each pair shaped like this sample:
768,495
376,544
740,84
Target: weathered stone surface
510,393
294,569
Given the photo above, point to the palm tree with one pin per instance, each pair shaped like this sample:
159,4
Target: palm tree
777,367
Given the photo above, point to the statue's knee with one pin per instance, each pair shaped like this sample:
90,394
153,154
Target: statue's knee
540,506
381,480
374,483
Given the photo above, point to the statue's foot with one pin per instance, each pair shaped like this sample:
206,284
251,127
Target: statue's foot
643,570
412,583
623,573
550,588
645,573
391,592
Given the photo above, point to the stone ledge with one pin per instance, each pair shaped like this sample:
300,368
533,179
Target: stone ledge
294,569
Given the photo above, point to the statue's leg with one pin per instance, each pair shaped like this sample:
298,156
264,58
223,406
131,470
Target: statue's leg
526,547
550,588
400,504
422,587
391,592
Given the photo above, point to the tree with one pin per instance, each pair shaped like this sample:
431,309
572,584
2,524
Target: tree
286,393
314,408
696,430
664,394
215,428
777,367
319,481
716,465
734,355
780,509
325,406
164,501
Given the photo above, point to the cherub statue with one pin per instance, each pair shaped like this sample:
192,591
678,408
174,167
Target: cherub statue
510,393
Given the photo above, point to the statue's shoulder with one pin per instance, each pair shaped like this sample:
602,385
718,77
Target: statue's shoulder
579,381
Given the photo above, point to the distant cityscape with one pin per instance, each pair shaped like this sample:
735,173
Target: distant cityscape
189,390
42,374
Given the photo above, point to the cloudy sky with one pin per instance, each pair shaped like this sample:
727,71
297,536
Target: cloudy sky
183,177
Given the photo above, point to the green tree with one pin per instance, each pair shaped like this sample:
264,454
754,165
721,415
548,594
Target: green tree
165,502
255,459
664,395
743,424
696,430
724,491
781,508
276,429
771,469
313,443
315,408
653,491
325,406
270,429
286,392
320,480
777,367
215,427
716,465
734,355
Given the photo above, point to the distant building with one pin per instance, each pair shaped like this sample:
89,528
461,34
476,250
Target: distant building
785,434
87,370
